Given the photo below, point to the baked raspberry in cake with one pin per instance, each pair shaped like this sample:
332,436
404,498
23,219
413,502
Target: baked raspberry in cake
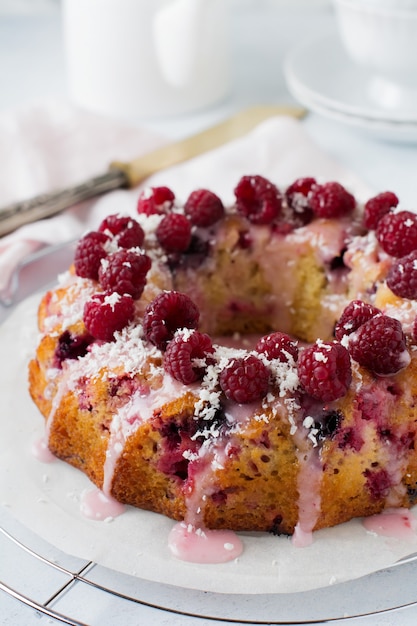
250,367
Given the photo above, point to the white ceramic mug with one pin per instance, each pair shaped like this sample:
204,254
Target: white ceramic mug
146,58
381,36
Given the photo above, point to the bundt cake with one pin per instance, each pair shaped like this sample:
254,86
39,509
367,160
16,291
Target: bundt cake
247,368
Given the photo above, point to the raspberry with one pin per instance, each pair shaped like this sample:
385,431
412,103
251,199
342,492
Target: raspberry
245,379
174,232
402,276
182,351
125,272
278,346
379,482
196,252
104,314
245,240
89,253
203,208
328,423
258,199
155,200
285,226
331,200
71,346
193,257
380,346
297,197
325,371
128,232
377,207
169,311
355,314
397,233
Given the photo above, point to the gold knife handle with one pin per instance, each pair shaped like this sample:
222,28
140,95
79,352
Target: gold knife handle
140,169
45,205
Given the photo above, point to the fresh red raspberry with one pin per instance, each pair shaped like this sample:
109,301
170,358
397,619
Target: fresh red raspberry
203,208
331,200
380,345
285,225
402,276
127,232
125,271
104,314
397,233
258,199
245,379
378,482
174,232
297,197
325,371
169,311
155,201
245,240
71,346
89,253
377,207
354,315
278,346
181,353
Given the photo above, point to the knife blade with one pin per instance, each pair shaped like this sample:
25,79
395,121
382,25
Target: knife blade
130,174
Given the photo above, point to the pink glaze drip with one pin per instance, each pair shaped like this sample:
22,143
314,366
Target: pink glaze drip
309,501
62,389
98,506
301,538
123,423
113,452
197,545
41,451
240,413
398,523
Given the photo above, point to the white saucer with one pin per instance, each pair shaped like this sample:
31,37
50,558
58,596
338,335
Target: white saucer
323,78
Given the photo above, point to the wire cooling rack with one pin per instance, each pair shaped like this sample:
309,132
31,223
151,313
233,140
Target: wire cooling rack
61,587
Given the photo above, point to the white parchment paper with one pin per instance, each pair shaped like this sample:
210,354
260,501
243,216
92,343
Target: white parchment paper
46,498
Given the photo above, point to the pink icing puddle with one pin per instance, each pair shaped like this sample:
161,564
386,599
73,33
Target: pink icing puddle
97,506
398,523
41,451
195,545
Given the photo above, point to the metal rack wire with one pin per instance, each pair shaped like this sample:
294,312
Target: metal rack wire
82,576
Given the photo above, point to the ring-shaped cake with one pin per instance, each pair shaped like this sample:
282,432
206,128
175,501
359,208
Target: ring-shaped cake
250,368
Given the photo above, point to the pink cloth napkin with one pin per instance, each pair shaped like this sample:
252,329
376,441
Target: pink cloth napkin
54,145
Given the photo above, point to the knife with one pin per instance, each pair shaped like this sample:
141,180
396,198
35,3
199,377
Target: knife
130,174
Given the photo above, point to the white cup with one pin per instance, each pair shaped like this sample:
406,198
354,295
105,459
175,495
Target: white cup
381,36
146,58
